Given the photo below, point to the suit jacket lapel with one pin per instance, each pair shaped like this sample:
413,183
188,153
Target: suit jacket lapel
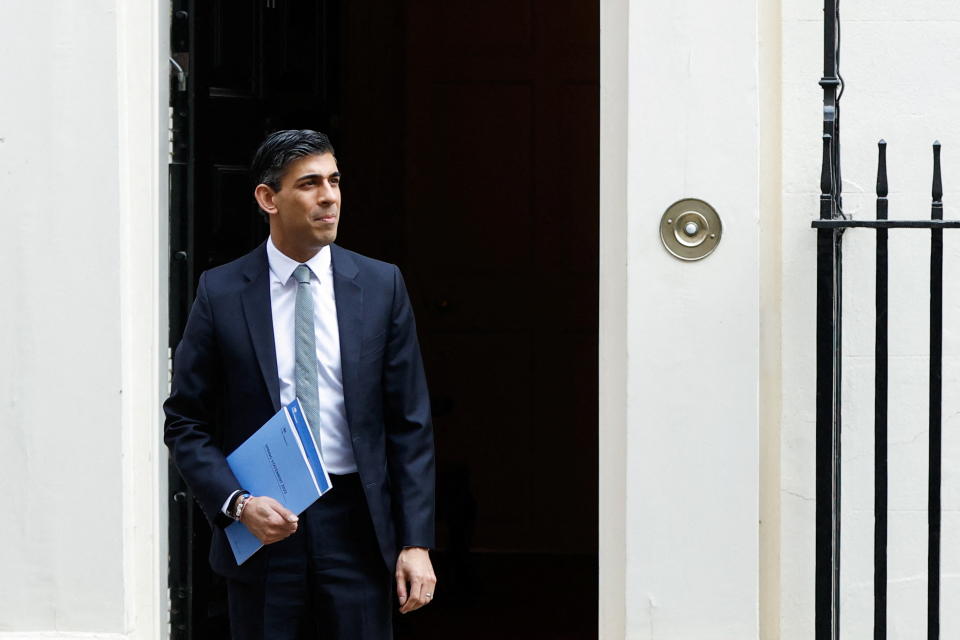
257,309
349,299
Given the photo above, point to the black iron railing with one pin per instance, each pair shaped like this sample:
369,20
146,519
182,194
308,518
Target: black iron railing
830,228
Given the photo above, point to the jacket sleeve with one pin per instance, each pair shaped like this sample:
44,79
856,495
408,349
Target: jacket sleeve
409,429
191,409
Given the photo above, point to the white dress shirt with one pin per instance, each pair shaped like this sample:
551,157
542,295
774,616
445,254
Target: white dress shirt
335,447
334,441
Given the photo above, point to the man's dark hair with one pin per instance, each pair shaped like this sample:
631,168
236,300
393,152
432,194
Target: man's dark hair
283,147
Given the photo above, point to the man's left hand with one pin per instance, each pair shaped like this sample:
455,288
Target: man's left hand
415,579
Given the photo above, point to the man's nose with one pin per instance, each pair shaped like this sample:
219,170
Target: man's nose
326,193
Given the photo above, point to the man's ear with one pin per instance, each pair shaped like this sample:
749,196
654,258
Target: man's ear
264,195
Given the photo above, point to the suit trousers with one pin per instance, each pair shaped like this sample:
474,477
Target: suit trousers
326,581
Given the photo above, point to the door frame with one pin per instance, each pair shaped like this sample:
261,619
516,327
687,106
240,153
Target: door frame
143,39
612,348
142,119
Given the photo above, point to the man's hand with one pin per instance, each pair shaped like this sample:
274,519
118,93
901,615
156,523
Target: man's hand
415,579
267,519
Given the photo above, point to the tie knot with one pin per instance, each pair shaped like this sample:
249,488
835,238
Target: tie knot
302,274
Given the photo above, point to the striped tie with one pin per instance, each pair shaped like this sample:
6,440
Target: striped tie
305,376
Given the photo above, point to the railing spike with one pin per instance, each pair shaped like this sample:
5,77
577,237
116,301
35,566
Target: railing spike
937,179
882,188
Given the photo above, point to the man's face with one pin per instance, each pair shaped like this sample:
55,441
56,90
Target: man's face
306,210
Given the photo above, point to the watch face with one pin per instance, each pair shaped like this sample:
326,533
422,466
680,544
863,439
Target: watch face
235,507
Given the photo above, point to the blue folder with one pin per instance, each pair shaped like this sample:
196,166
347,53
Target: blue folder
280,460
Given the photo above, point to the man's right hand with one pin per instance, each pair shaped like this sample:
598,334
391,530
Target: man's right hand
267,519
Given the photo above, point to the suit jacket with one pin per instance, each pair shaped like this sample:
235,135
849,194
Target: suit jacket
225,386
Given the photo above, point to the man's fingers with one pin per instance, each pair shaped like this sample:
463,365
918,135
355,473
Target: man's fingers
269,520
429,589
425,592
285,514
279,521
281,528
415,579
414,597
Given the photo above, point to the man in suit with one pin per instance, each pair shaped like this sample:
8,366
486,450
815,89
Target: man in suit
302,317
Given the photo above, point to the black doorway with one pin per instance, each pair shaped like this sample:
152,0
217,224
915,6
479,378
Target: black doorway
468,136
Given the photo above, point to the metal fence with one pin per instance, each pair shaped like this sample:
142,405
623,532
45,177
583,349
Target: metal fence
830,228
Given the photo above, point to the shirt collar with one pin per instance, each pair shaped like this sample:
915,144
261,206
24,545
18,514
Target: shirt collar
282,266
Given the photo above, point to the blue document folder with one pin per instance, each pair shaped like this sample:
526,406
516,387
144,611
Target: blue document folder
280,460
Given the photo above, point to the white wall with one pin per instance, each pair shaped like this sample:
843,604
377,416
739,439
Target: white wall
81,371
82,550
900,62
690,434
61,320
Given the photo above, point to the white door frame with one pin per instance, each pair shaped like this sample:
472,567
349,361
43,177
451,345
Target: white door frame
679,350
143,57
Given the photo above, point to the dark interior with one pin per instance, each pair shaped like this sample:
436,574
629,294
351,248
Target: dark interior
468,138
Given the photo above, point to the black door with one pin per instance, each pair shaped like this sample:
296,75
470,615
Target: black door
467,134
252,67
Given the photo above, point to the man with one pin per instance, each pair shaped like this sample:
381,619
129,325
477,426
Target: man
302,317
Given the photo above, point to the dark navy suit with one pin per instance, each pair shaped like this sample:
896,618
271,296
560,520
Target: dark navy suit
225,386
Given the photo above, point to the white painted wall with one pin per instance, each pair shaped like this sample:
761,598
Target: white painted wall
900,62
689,435
61,320
82,364
714,100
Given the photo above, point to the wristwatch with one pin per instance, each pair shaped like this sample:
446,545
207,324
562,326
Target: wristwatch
233,510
